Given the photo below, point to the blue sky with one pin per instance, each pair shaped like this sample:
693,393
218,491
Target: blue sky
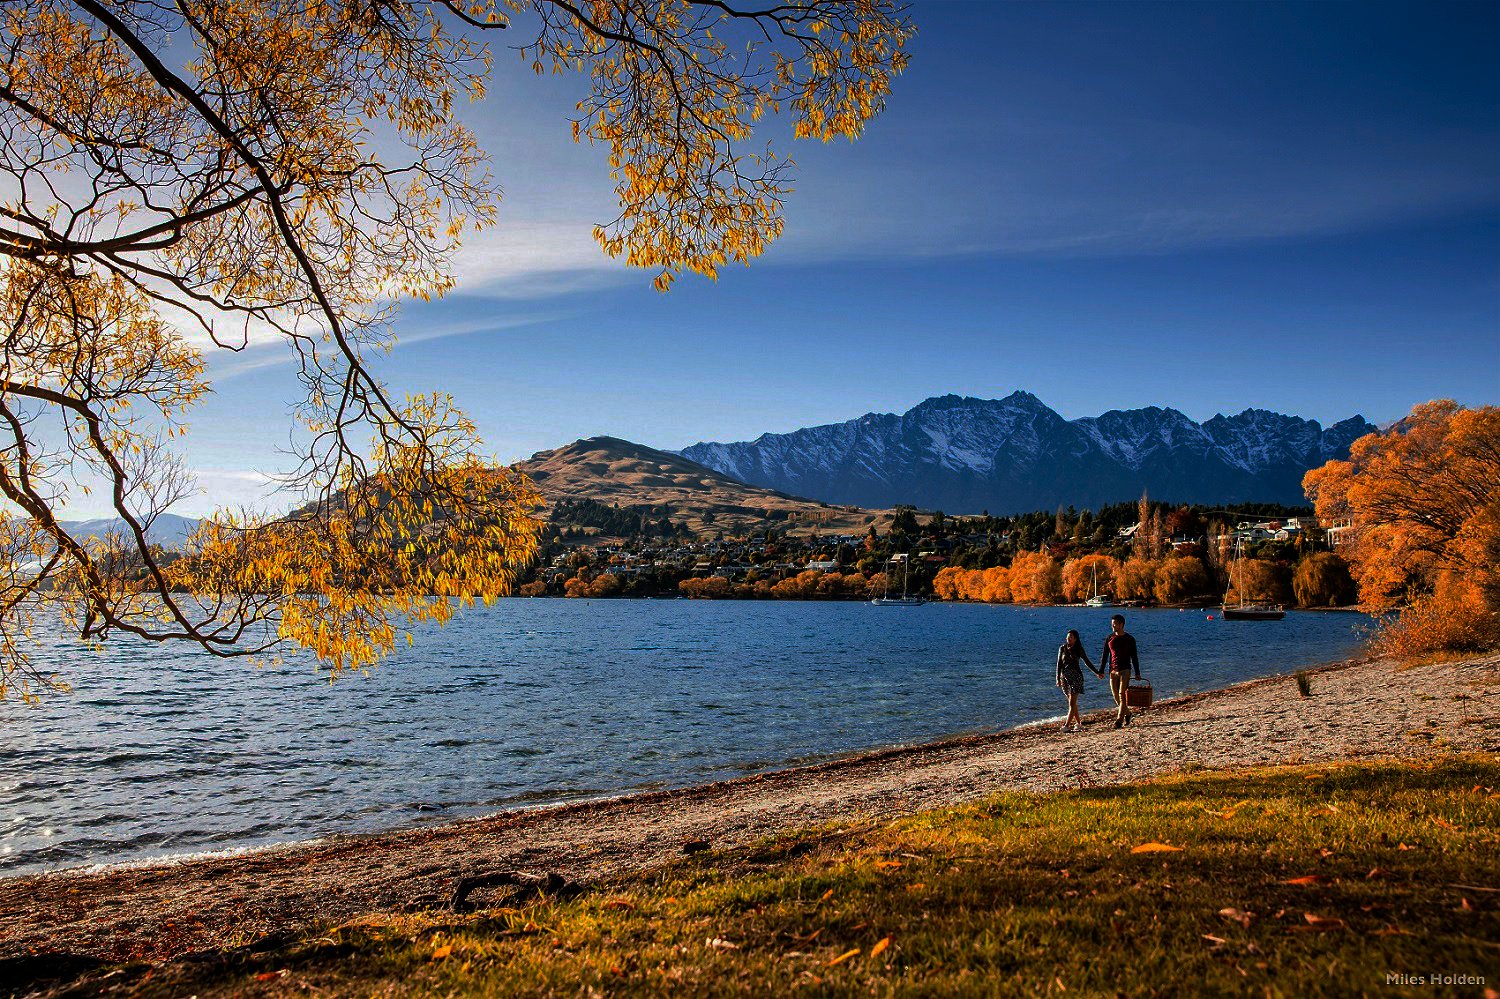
1211,207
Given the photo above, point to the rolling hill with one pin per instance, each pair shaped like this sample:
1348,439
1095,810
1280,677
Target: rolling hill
614,472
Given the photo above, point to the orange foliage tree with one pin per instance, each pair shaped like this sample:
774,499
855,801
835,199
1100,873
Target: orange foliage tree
1135,579
1181,579
1080,575
706,588
991,586
1425,511
287,172
1035,578
1258,581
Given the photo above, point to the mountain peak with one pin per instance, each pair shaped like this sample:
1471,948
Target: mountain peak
962,453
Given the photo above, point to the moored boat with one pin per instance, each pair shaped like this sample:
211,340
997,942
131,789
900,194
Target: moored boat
1246,611
905,599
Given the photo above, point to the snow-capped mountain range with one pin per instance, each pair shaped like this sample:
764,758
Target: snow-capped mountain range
964,455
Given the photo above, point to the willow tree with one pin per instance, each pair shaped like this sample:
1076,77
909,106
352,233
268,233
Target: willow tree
185,177
1424,525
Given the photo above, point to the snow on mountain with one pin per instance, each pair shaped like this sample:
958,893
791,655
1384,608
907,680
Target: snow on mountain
964,455
168,530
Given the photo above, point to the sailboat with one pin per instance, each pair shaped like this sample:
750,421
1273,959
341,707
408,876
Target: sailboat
1098,599
1247,611
904,600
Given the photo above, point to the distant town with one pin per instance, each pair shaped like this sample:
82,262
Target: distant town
1139,553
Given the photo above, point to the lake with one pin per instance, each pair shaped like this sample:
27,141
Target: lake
162,751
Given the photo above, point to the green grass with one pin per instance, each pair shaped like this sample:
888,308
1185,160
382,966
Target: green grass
1021,894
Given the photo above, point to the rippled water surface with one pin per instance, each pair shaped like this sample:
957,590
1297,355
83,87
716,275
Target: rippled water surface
161,751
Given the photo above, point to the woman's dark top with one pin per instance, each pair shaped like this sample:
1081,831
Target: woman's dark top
1069,673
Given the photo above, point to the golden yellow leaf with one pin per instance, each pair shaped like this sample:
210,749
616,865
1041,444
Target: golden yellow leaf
1156,848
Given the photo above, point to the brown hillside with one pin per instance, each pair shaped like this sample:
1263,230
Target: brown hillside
618,472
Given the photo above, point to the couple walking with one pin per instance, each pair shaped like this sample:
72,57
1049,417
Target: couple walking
1119,658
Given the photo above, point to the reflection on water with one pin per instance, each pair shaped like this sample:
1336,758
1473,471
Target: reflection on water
163,751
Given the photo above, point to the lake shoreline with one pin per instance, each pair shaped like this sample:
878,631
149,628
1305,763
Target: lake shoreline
158,910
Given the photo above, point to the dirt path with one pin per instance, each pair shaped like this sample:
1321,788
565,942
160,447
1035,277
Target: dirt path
1358,710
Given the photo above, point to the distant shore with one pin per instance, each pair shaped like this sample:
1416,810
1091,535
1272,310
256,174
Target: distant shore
1359,709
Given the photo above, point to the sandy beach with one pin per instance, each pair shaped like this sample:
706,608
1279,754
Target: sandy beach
159,911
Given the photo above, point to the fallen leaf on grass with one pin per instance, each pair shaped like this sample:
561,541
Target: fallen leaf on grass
439,953
887,865
266,976
719,943
846,955
1216,941
880,946
1307,879
620,903
827,895
1243,918
1376,872
1444,823
1323,922
1156,848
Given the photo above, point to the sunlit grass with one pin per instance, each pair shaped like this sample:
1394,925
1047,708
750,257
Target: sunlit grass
1294,881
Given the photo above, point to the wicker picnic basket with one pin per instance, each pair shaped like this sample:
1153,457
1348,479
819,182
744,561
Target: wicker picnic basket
1139,694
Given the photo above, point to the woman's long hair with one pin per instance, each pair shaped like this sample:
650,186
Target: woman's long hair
1072,638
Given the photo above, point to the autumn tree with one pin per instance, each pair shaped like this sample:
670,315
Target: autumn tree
1139,542
1425,512
1253,580
1185,521
1082,575
1135,579
198,176
946,584
1323,580
1156,536
1035,578
993,585
1180,579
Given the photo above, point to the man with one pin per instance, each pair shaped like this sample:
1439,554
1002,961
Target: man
1120,658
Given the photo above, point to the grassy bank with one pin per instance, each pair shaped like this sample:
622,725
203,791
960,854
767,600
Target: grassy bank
1289,881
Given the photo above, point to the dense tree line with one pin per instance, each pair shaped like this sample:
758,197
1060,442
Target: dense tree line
570,519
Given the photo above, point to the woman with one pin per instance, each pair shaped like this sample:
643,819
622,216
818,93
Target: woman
1070,676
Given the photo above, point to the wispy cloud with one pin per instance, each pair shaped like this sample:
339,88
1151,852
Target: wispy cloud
273,354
